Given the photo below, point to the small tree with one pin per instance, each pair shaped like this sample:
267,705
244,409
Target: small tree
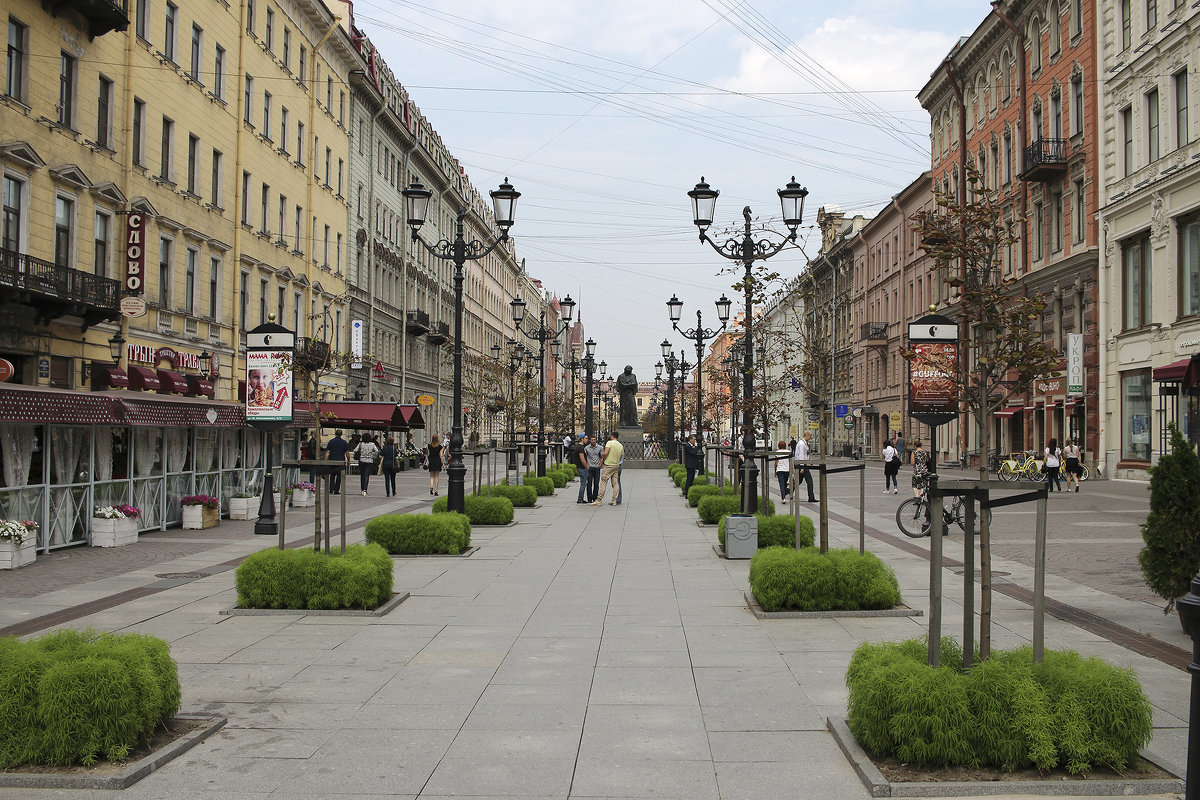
1171,531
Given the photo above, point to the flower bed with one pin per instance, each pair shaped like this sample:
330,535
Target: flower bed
304,494
201,511
18,543
421,534
305,579
115,526
75,697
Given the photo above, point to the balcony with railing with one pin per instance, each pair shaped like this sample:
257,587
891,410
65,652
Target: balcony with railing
416,322
874,332
102,16
439,333
1045,160
312,355
56,291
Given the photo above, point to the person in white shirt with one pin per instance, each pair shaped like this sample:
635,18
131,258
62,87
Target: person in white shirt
1050,466
891,467
800,457
1072,464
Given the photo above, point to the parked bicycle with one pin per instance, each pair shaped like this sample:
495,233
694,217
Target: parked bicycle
913,517
1021,465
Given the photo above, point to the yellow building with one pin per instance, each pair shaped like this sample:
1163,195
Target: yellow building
170,180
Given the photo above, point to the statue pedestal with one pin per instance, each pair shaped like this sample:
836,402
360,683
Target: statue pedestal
629,434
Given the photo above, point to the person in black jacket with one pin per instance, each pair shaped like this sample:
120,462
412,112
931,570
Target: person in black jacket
693,460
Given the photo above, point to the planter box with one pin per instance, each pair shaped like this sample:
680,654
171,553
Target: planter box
113,532
741,536
303,498
244,507
199,517
14,555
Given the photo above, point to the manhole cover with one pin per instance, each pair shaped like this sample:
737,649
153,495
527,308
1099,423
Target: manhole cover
182,575
996,573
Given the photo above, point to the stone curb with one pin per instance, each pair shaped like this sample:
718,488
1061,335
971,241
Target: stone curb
464,554
390,605
878,785
901,611
128,776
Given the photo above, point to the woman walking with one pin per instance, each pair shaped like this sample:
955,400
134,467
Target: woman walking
920,460
391,455
783,469
365,453
433,462
891,468
1051,464
1073,464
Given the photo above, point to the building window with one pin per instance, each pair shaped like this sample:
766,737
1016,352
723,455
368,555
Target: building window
1056,222
262,301
1076,18
101,244
66,90
265,226
141,18
325,251
1035,47
341,170
1152,149
248,101
250,16
283,129
1126,24
300,141
64,230
1189,267
104,98
245,197
215,187
1127,139
1007,157
139,132
1056,126
1080,223
197,52
266,126
338,262
296,313
269,34
168,139
282,216
328,164
189,285
287,49
329,94
1039,230
169,34
341,108
1151,15
1181,109
282,304
298,241
193,157
219,74
14,205
214,286
1135,281
18,37
1135,413
361,137
243,300
302,64
1076,104
1055,31
164,272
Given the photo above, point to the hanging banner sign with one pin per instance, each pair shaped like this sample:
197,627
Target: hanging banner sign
356,344
1074,363
135,252
933,370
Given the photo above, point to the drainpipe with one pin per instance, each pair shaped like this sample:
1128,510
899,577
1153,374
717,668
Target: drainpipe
239,203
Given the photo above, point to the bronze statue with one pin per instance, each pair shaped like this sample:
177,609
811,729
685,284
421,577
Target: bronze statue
627,385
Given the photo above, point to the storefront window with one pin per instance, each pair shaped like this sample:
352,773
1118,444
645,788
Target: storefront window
20,455
1135,414
70,454
146,451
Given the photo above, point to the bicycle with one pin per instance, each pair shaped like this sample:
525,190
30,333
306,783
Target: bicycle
913,518
1012,468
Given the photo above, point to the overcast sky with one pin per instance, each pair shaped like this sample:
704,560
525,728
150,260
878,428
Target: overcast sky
604,115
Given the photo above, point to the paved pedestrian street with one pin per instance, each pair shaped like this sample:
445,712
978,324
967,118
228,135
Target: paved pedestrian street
583,652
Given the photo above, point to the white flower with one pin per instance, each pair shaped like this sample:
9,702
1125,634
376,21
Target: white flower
16,531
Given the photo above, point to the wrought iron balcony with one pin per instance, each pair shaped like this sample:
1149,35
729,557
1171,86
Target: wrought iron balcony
416,322
875,332
56,291
102,16
439,334
312,354
1045,160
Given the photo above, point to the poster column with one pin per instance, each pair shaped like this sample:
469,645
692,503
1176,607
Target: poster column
270,351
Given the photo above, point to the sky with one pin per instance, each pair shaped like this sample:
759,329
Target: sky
604,115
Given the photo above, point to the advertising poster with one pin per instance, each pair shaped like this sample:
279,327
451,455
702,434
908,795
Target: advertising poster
268,386
932,388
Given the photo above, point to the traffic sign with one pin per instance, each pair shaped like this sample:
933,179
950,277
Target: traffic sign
841,410
814,425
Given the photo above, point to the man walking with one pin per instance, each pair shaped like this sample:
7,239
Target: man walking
593,454
335,450
899,444
693,460
801,459
612,454
580,460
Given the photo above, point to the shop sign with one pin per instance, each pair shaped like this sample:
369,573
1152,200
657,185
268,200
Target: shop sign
135,252
133,306
1051,386
848,422
356,344
840,410
894,419
153,356
425,400
1074,363
7,370
814,426
44,368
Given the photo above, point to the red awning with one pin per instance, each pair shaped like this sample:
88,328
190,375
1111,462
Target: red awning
139,410
198,386
108,377
171,382
143,378
20,403
1010,411
1185,370
367,414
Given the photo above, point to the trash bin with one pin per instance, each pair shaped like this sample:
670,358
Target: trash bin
741,536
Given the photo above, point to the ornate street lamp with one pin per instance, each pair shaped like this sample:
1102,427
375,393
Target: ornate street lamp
541,334
589,366
699,335
459,252
746,251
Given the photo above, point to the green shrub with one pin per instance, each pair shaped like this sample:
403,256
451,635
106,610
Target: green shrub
1171,531
713,507
572,470
777,531
782,578
543,486
481,509
1007,712
673,469
73,697
419,534
304,578
519,496
706,489
558,476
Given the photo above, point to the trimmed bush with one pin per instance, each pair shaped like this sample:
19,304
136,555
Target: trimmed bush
543,486
74,697
673,469
713,507
558,476
777,531
419,534
572,470
519,496
705,489
1069,711
783,578
1172,553
481,509
304,578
